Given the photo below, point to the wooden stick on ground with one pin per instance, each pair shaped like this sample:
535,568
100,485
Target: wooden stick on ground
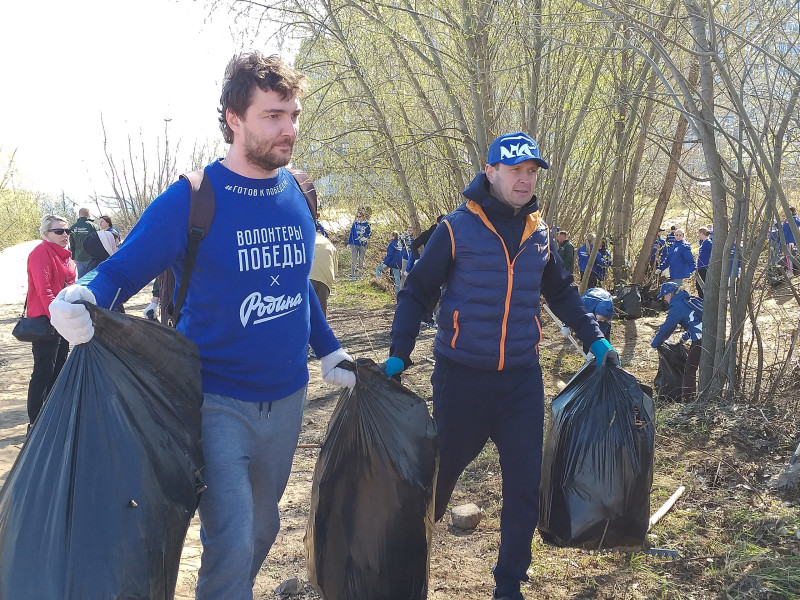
667,505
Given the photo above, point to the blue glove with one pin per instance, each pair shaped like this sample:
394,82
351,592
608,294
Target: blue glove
604,351
393,366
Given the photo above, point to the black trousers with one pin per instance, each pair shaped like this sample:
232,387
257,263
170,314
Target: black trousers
689,391
701,273
323,293
48,358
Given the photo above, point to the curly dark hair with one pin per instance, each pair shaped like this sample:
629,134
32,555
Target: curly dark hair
246,71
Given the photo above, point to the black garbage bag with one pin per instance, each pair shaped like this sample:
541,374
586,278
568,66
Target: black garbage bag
776,275
669,377
651,304
371,520
99,500
597,466
630,301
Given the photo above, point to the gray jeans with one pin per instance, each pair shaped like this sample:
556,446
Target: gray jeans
357,253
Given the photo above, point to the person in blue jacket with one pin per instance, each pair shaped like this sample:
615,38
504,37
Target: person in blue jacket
790,241
250,308
406,239
600,303
493,258
393,260
686,311
357,242
671,237
583,254
679,259
600,267
703,256
658,251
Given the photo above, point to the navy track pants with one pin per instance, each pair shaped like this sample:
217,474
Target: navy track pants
472,406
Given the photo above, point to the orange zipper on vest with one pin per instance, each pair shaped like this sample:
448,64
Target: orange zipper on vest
455,326
530,227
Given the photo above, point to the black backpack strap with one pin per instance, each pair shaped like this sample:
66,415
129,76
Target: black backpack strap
201,212
307,187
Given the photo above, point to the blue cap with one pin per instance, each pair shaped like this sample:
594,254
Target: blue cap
513,148
599,301
668,288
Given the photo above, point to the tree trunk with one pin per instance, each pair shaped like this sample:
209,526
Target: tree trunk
675,152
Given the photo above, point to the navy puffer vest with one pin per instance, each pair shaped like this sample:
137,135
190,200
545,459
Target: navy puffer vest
495,325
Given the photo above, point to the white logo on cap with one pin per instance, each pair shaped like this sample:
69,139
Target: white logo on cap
519,149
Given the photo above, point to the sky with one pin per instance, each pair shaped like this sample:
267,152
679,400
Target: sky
64,64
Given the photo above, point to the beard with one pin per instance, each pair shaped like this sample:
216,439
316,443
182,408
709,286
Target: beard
265,156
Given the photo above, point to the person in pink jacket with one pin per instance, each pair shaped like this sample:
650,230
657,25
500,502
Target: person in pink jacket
50,269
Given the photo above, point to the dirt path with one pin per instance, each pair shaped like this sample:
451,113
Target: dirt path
460,563
287,558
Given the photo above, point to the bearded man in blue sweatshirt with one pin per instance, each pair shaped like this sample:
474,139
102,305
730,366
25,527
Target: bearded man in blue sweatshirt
493,258
250,309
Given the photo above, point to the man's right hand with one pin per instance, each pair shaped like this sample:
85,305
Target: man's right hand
72,321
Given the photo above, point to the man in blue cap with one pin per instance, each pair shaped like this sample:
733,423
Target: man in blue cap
493,258
686,311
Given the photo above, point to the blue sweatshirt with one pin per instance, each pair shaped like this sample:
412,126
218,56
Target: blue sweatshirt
583,256
658,250
679,259
686,311
250,307
704,253
394,255
601,263
359,234
787,230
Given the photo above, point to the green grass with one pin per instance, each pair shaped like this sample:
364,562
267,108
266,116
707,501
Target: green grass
363,295
751,567
565,363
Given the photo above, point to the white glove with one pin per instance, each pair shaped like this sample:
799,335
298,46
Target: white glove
336,375
564,330
152,308
72,321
